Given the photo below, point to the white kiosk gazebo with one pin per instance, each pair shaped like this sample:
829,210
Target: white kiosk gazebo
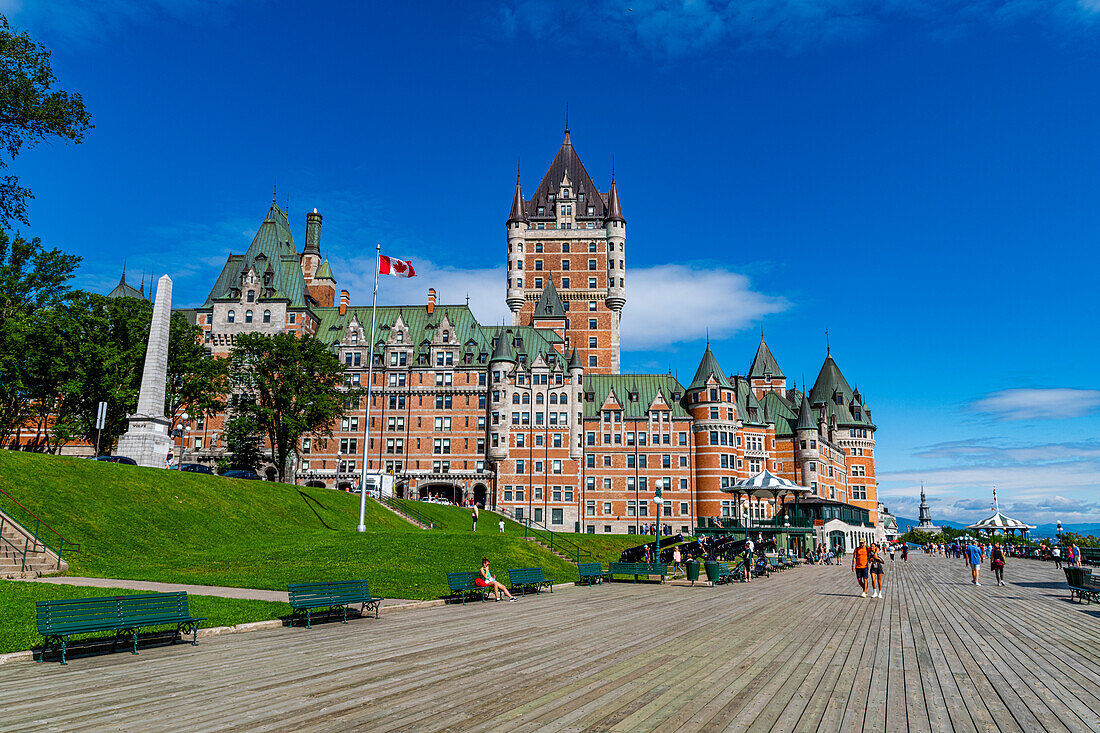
1001,524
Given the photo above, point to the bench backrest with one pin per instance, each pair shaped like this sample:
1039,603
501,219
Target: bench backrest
638,568
336,592
119,611
1078,577
723,568
154,607
461,581
590,568
521,576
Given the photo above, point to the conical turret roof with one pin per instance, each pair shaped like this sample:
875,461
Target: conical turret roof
503,350
805,416
124,289
614,210
764,363
518,214
549,304
574,361
707,367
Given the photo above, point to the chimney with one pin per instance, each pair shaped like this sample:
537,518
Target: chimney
345,298
313,233
431,301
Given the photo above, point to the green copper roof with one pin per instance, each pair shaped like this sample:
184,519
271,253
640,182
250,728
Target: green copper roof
645,386
782,412
272,251
831,387
549,304
708,367
806,419
749,408
324,272
503,351
764,363
125,290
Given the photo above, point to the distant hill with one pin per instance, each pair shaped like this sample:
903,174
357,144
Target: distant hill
1042,530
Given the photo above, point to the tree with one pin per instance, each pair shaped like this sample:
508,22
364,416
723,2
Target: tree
289,386
30,111
195,380
33,281
242,440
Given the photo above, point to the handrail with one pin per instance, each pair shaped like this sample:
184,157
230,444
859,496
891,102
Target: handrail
38,521
39,525
548,535
407,510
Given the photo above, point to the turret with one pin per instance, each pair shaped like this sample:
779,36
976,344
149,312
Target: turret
517,230
616,250
501,364
806,434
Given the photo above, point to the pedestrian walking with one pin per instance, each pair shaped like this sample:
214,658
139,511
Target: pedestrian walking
905,552
475,517
1056,553
749,547
891,553
860,559
676,561
997,563
501,525
974,560
877,568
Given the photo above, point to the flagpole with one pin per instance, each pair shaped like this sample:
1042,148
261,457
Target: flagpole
370,383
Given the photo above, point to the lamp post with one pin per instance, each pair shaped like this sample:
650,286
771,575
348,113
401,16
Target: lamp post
182,428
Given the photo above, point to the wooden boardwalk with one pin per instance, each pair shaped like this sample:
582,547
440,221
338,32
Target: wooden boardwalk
800,651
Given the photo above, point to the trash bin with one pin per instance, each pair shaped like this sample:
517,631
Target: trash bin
712,570
693,571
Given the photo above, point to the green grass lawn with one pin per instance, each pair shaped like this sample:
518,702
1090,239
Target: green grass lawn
17,609
151,524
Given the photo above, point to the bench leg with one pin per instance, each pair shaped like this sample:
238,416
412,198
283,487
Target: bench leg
64,648
135,633
345,614
309,619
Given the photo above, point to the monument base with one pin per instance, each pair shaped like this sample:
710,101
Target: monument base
146,440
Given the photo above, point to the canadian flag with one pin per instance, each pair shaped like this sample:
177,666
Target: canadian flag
395,267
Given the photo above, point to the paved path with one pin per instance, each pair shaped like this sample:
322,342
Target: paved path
248,594
796,652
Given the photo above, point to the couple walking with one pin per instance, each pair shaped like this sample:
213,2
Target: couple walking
867,561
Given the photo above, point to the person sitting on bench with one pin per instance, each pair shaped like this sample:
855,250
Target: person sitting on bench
485,579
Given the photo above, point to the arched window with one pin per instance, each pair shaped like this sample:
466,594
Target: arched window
564,398
553,399
267,316
232,316
526,398
538,398
515,398
251,296
248,316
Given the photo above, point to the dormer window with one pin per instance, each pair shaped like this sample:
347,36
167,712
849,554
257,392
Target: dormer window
251,296
542,211
446,337
354,338
551,198
591,210
633,396
565,193
400,337
581,198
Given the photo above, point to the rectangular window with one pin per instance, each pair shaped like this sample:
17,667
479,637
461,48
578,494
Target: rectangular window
557,516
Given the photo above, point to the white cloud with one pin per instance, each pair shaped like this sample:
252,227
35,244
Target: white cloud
85,21
1038,483
1038,404
666,304
669,304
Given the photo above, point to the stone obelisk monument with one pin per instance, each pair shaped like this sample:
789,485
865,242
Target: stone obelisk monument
147,438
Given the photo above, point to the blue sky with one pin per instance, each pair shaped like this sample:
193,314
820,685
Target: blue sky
917,177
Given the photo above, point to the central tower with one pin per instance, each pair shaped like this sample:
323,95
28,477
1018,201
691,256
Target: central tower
570,235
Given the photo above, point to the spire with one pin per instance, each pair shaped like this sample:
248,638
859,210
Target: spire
805,415
614,209
567,124
518,212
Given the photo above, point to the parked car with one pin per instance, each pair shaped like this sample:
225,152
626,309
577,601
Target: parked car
117,459
197,468
246,475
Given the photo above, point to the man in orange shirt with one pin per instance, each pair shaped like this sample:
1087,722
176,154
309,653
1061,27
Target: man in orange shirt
859,564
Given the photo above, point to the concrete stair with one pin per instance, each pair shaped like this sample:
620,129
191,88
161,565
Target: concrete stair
39,561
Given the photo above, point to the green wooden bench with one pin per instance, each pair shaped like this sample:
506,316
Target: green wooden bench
725,575
591,572
61,619
636,569
524,578
463,583
774,564
330,595
1082,584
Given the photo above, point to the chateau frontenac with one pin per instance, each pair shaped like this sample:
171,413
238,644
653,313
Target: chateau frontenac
536,418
